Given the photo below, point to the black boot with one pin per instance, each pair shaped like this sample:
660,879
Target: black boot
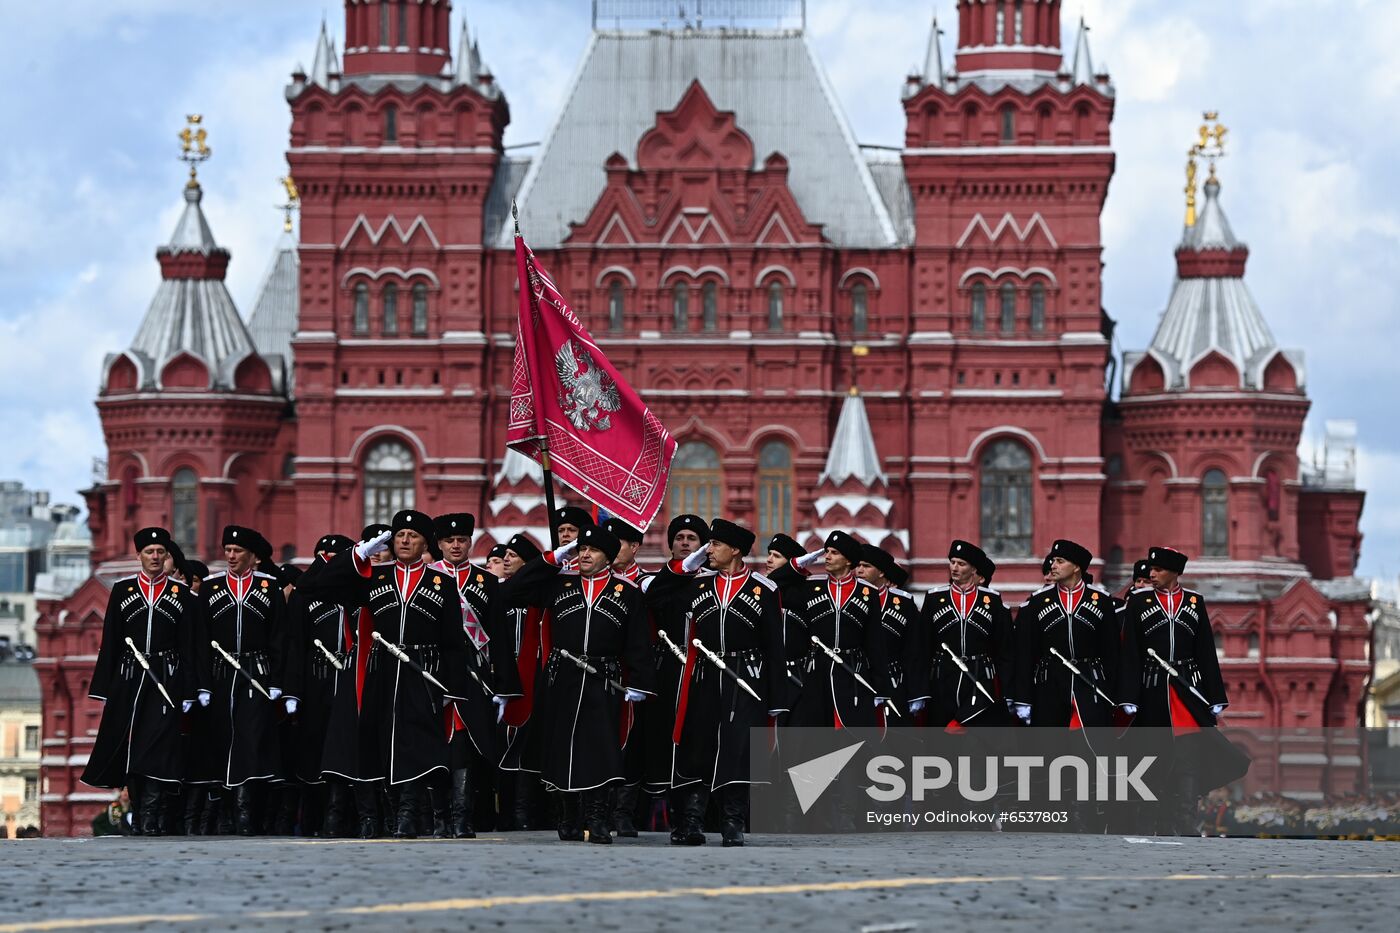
388,807
570,828
462,811
243,804
339,804
624,810
213,813
675,815
406,824
693,816
315,799
595,812
735,802
524,799
288,803
1188,821
439,794
152,802
194,799
367,807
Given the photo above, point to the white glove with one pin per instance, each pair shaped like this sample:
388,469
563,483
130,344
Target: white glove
633,695
186,705
1010,705
1023,712
563,553
807,560
917,706
694,562
376,545
881,701
446,701
274,693
204,697
1217,709
500,707
291,706
775,713
1129,708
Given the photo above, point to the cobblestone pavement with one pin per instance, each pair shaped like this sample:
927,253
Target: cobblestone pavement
873,882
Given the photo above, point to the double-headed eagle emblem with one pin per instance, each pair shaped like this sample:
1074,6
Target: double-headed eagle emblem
588,394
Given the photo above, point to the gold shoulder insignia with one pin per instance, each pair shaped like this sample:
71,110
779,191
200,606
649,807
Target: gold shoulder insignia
1094,597
865,591
479,578
175,589
616,589
896,600
436,579
986,600
1193,600
758,591
264,583
131,589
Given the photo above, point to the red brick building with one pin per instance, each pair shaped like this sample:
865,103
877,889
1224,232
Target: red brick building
703,202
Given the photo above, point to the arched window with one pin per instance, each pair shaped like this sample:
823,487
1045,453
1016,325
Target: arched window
1008,308
1008,124
420,310
1006,499
617,306
184,509
361,319
1037,307
775,306
709,302
979,308
860,313
774,489
1252,646
697,481
389,481
1215,514
391,124
391,309
680,308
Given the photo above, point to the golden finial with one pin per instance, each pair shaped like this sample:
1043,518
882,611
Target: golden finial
194,147
858,351
1210,145
292,203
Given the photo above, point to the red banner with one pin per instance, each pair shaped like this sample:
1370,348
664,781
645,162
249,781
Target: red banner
604,443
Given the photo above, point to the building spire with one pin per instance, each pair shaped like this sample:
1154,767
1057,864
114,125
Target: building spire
324,61
853,454
193,146
933,59
1083,70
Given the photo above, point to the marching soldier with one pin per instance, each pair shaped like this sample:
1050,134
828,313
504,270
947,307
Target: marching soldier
625,798
321,673
781,549
841,616
245,618
595,638
1069,623
523,626
416,666
148,663
974,624
1171,674
496,561
735,621
898,614
475,719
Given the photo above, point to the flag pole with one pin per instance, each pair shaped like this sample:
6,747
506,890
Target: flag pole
544,438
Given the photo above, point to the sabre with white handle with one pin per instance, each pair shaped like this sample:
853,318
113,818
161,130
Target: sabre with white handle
335,662
402,655
233,663
1177,674
962,666
675,649
718,662
587,668
859,679
1080,674
146,666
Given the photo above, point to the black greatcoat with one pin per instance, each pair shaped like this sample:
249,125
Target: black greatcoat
747,633
899,616
238,740
575,729
1186,641
830,696
316,682
1090,639
402,726
984,642
493,664
140,733
656,719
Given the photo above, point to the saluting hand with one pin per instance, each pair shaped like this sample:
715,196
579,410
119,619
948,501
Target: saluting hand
376,545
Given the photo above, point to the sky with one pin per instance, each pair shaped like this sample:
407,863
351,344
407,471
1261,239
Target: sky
90,185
